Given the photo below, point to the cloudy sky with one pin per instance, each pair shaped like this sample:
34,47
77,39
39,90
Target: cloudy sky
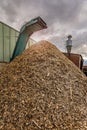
63,17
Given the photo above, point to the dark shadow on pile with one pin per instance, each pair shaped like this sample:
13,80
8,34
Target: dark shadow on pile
42,90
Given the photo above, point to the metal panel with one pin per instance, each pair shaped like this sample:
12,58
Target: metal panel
17,34
6,43
13,38
8,38
12,41
30,42
1,43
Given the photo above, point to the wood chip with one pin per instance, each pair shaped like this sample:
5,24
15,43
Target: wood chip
42,90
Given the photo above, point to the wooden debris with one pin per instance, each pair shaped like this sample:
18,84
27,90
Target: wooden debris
42,90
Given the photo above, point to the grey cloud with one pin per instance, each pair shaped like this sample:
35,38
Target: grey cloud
53,11
61,16
9,10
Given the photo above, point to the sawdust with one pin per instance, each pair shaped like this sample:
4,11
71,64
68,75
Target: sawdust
2,65
42,90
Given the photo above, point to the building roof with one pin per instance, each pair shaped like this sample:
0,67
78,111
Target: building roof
73,55
77,59
8,26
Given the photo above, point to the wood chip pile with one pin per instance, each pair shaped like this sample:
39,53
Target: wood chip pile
42,90
2,65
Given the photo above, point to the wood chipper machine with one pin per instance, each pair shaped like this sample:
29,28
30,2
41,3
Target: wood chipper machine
26,31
